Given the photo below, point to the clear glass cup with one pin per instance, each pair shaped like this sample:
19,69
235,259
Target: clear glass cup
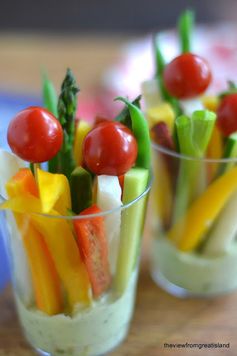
194,224
57,286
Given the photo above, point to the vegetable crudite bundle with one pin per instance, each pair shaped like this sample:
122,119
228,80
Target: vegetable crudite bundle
74,198
194,138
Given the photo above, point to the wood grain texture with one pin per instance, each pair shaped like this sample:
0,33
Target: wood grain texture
158,317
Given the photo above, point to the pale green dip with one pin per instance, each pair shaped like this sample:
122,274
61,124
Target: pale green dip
200,275
91,331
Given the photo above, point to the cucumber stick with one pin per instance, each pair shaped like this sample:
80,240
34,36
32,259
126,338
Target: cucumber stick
109,197
81,189
135,183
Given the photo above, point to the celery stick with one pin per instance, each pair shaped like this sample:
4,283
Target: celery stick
193,136
224,231
230,152
135,183
185,26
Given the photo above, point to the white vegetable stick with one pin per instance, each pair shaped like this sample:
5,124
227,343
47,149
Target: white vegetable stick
224,231
151,93
19,262
109,197
190,105
9,166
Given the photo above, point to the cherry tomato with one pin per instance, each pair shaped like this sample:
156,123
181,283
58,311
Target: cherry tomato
227,114
110,148
187,76
35,135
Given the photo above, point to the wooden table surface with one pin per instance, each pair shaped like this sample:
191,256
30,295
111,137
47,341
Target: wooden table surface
158,317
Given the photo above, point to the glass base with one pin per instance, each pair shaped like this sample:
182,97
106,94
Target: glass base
180,292
121,337
168,286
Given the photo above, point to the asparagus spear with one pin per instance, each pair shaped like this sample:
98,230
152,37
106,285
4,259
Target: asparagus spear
193,135
67,104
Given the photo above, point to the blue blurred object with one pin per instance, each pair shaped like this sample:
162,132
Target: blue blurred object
10,104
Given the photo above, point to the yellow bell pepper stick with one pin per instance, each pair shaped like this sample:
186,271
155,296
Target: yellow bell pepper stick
163,112
54,192
211,102
46,283
188,232
81,131
61,244
214,151
45,279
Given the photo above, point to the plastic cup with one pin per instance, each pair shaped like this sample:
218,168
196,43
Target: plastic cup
57,287
194,224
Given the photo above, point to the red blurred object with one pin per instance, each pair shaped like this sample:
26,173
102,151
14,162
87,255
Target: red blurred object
227,114
100,119
100,102
162,136
187,76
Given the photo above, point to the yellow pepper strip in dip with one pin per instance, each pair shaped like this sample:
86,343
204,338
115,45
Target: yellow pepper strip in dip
54,192
82,130
46,283
61,244
187,233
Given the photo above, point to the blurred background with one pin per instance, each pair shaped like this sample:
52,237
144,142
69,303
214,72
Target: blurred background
106,43
107,16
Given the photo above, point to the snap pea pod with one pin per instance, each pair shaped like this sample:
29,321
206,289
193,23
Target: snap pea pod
141,132
50,103
185,27
160,66
49,95
124,115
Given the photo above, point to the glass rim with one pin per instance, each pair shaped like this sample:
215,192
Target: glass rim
171,153
96,215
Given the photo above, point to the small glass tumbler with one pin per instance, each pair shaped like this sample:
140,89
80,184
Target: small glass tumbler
74,277
194,224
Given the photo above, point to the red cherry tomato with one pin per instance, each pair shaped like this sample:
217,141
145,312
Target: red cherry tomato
35,135
227,114
187,76
110,148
